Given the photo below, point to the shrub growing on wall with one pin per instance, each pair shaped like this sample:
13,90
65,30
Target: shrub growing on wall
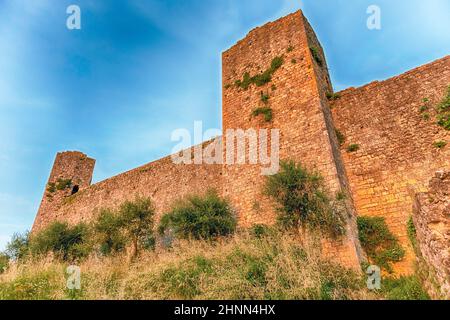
381,246
200,217
303,200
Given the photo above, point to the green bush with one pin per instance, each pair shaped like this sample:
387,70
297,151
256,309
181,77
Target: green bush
108,232
303,200
198,217
19,246
381,246
66,242
404,288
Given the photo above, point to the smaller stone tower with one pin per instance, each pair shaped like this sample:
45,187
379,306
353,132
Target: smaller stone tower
72,172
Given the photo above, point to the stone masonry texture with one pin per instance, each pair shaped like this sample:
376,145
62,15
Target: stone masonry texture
432,221
396,143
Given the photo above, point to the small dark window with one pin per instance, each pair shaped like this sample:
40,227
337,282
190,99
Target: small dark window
75,189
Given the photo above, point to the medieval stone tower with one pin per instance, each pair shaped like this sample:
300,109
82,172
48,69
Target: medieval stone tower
396,153
71,173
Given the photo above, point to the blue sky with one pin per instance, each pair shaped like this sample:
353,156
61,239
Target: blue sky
140,69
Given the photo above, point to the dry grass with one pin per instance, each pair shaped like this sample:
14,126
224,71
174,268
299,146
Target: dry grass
275,266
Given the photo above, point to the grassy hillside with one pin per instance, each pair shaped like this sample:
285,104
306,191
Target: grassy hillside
242,267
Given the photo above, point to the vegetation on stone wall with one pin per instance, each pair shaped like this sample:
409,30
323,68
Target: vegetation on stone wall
316,55
267,112
412,233
443,110
303,200
265,97
51,187
439,144
199,217
424,109
262,78
380,244
59,185
333,96
341,137
353,147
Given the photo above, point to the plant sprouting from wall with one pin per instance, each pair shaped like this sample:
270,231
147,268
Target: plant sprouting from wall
316,55
265,111
262,78
439,144
353,147
443,110
341,137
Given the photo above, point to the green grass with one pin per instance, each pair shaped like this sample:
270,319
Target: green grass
404,288
381,246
